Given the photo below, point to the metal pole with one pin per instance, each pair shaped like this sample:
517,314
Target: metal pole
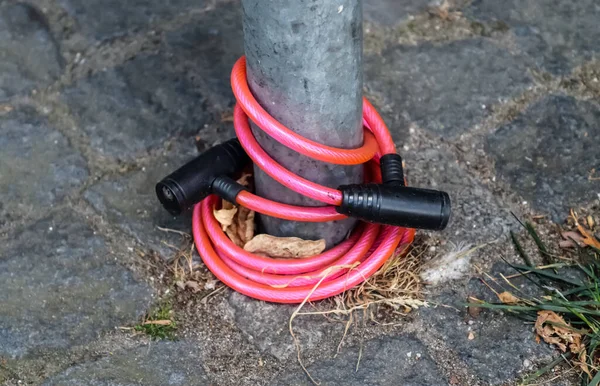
304,61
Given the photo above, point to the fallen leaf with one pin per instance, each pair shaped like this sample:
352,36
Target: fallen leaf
588,239
508,298
573,237
471,336
590,222
226,205
554,330
244,179
233,235
210,285
284,247
225,217
237,222
193,285
158,322
245,224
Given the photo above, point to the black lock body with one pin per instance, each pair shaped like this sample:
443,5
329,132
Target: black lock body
397,205
194,181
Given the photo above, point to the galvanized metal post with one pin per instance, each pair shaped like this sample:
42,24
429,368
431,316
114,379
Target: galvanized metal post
304,61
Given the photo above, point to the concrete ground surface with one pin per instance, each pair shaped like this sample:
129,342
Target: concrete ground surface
497,102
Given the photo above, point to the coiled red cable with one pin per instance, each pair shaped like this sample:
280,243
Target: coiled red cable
295,280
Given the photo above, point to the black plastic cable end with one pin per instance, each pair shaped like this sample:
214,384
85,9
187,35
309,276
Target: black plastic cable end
192,182
392,171
227,188
397,205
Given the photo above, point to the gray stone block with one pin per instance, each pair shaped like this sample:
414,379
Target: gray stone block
29,55
130,202
157,364
477,215
266,326
61,288
210,47
103,20
136,107
547,152
391,360
557,34
38,167
446,88
500,346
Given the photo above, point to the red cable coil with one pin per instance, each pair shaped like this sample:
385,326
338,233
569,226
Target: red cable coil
314,278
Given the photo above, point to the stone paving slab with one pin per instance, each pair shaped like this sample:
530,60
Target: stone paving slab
266,326
446,88
62,288
556,34
500,347
209,47
29,55
400,360
134,108
141,216
104,20
38,167
156,364
548,152
477,216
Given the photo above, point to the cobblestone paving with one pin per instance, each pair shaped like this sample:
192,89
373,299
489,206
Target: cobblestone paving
497,102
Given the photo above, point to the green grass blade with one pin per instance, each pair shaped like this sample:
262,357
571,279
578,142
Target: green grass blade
595,380
536,238
553,276
520,249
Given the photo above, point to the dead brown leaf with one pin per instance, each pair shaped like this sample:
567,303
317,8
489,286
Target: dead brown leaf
193,285
244,179
588,238
555,330
571,240
158,322
508,298
284,247
237,221
590,222
245,224
225,217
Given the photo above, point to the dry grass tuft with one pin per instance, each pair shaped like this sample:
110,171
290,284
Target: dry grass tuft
396,285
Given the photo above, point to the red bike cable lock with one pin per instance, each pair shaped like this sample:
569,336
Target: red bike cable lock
390,209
